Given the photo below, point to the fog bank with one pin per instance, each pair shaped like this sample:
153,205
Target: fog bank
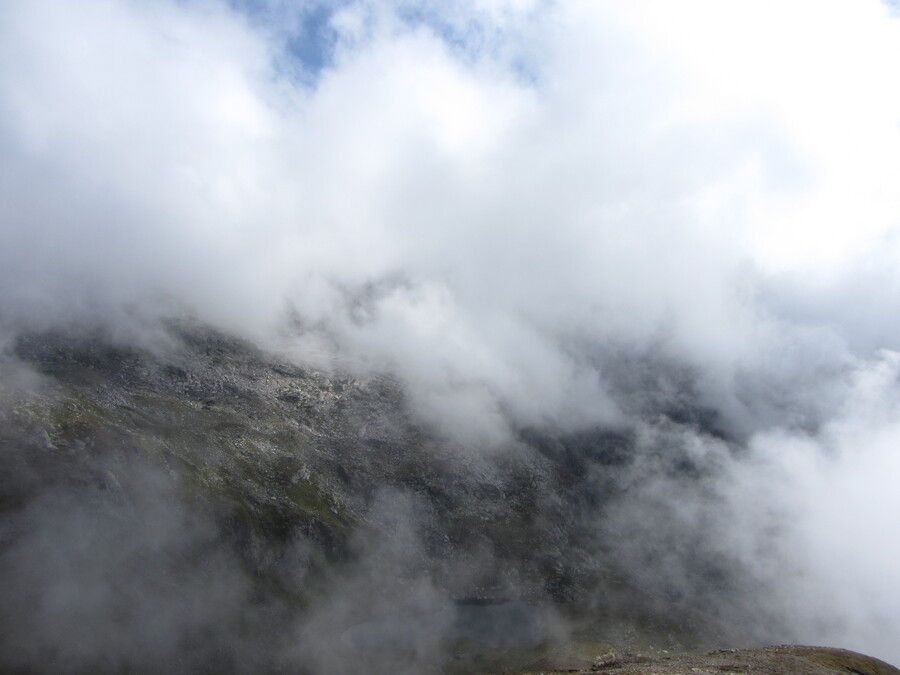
520,209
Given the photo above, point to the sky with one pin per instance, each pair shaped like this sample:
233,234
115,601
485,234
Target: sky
498,201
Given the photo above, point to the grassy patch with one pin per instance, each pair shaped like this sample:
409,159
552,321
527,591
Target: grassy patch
76,418
307,496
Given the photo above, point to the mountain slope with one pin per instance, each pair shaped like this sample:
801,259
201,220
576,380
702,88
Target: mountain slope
205,506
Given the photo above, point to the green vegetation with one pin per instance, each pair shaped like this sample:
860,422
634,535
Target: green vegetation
312,500
76,418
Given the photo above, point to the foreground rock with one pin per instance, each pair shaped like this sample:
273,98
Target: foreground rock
774,660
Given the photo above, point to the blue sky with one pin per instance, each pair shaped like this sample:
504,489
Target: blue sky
306,32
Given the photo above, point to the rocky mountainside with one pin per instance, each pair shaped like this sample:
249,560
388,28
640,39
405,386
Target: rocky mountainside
205,506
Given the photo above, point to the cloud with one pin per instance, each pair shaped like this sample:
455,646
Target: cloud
812,515
129,577
583,206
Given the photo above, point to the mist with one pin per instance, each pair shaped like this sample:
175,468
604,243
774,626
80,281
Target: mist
538,216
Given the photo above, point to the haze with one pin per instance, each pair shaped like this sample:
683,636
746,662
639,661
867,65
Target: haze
496,201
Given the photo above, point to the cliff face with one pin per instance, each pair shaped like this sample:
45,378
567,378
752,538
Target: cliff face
208,507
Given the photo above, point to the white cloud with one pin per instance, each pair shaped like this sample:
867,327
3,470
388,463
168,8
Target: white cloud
824,508
642,189
645,185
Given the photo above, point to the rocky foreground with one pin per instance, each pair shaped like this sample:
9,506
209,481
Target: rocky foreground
780,660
